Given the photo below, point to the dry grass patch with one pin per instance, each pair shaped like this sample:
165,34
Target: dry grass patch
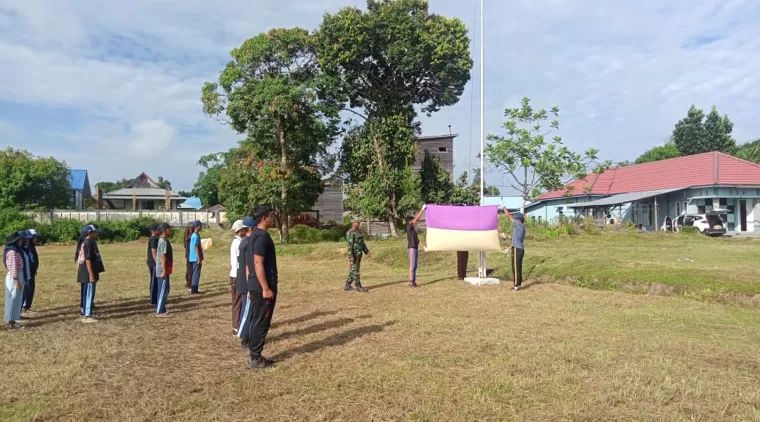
445,351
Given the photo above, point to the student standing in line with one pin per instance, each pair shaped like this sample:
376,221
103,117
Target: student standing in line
90,268
26,254
518,246
262,286
196,256
82,286
245,269
188,265
14,279
164,267
240,231
30,283
152,251
412,246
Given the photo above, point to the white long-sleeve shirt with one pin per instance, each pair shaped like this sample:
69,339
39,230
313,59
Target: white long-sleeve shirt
234,251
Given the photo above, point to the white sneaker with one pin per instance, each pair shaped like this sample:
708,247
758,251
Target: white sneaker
89,320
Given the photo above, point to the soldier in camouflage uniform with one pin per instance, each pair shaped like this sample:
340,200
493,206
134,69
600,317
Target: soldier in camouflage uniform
356,248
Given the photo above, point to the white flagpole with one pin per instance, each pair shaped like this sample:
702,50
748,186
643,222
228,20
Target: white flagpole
482,255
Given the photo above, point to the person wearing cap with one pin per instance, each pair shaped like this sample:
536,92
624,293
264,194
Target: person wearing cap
196,257
32,256
188,265
152,250
164,267
262,286
518,246
240,230
356,248
14,279
90,265
244,270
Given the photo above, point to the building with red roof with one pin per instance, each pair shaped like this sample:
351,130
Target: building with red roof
649,193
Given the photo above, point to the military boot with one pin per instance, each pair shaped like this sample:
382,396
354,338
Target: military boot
348,286
360,289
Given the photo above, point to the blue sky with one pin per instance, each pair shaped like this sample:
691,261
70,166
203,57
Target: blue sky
114,86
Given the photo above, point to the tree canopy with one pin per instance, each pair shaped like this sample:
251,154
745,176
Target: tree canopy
384,64
270,91
695,134
30,182
531,162
662,152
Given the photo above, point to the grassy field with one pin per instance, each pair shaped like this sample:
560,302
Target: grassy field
443,352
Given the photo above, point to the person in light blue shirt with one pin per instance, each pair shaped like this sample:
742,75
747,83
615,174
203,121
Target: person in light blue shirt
518,246
195,256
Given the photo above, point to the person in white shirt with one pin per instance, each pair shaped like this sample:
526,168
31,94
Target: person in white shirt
240,230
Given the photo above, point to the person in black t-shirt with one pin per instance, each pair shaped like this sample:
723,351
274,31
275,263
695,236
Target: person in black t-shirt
262,286
152,247
89,269
412,246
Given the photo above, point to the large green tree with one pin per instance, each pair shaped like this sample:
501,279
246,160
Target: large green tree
695,134
112,186
386,63
749,151
207,186
30,182
662,152
531,162
269,91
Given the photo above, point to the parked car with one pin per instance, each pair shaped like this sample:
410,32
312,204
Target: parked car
710,223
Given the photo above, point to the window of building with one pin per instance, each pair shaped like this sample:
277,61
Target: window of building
700,209
678,208
723,202
442,149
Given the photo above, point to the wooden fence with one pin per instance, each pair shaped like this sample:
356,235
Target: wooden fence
175,218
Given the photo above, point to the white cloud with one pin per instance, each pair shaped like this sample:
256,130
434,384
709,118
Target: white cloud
129,74
150,138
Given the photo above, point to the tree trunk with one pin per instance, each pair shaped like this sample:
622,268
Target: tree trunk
392,211
284,220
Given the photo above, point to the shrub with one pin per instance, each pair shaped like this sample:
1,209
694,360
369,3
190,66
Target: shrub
304,234
12,220
66,230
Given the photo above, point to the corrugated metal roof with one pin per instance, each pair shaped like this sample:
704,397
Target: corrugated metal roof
192,203
711,168
150,193
623,198
77,179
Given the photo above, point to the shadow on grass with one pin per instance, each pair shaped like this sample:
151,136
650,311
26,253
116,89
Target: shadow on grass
126,309
390,283
527,286
316,328
334,340
303,318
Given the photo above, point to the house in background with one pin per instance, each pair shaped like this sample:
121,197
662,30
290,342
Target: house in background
79,184
145,193
191,203
439,146
648,193
512,203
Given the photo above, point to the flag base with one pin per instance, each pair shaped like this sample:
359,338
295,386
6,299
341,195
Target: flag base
482,281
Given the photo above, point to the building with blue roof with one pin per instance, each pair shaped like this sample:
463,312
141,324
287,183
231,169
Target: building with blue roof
191,203
79,185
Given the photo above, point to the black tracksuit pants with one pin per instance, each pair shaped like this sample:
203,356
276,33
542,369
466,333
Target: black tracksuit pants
261,320
462,258
517,265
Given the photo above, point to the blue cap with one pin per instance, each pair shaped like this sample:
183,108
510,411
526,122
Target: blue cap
197,223
519,216
26,234
90,228
154,227
249,222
